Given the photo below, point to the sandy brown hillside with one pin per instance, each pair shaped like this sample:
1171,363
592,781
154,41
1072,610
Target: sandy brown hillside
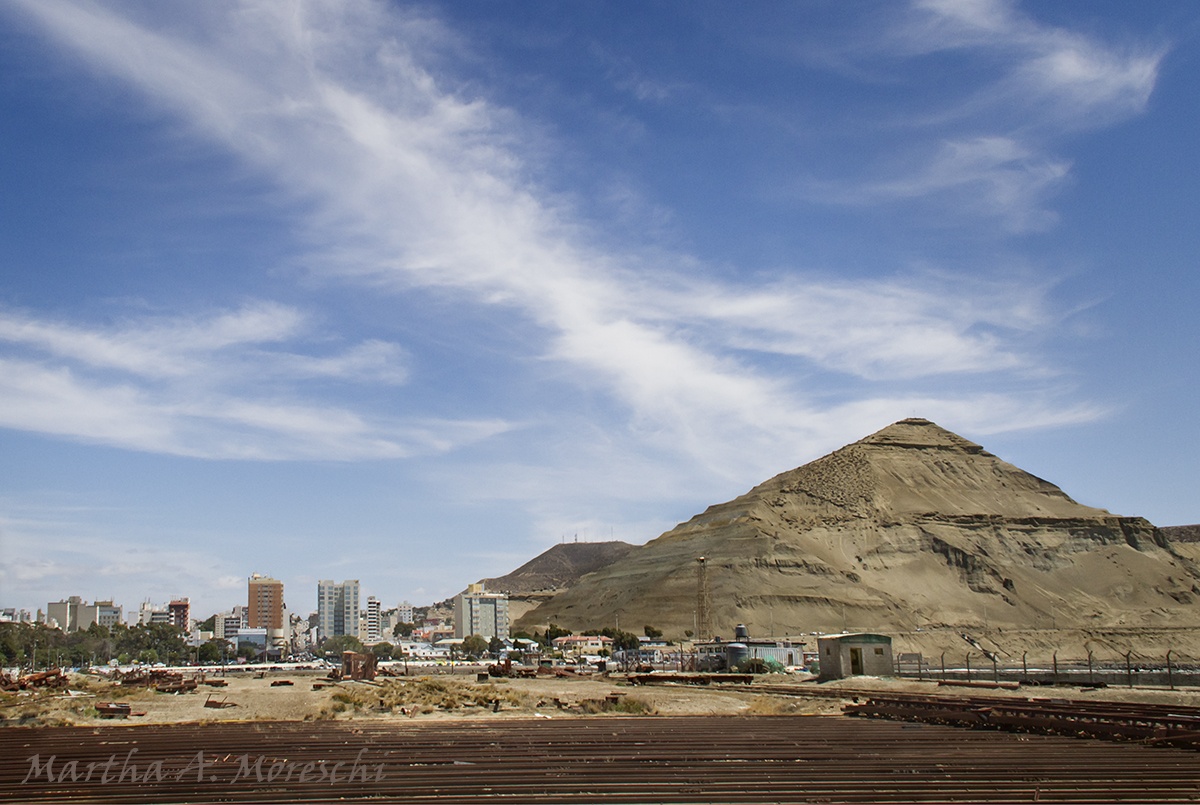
559,567
1184,539
910,528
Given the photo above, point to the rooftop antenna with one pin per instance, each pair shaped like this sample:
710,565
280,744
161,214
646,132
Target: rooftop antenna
703,600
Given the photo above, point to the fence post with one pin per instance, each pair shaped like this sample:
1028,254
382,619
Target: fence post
995,671
1024,667
943,666
1091,677
1056,668
1170,676
1128,670
968,666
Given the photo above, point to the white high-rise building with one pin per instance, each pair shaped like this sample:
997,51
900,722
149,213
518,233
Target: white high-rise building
226,625
73,614
404,613
478,612
337,608
373,632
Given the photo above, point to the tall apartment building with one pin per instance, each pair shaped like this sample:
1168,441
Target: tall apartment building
404,612
226,625
373,613
181,613
478,612
73,614
265,606
65,614
337,608
149,613
108,614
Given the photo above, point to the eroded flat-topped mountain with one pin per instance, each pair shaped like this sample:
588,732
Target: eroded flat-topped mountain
912,526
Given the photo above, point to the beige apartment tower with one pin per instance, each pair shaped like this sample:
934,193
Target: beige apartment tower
265,605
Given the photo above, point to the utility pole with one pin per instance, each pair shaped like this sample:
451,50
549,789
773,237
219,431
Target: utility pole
703,601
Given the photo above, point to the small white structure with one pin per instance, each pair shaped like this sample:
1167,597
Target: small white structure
856,654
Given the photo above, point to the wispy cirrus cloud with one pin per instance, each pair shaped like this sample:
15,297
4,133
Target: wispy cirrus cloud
989,178
985,150
1049,76
227,385
417,183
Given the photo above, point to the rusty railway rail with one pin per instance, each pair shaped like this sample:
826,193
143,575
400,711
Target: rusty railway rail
610,759
1176,725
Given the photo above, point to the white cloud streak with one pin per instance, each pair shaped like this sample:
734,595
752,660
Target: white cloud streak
198,387
993,157
418,185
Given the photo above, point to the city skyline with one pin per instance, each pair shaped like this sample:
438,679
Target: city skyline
408,293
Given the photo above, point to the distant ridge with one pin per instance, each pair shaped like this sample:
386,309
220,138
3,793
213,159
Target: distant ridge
560,566
911,528
1182,533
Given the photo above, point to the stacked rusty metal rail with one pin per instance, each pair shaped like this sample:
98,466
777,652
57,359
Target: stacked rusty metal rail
1167,724
607,759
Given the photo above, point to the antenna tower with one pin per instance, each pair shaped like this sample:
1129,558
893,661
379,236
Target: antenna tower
703,601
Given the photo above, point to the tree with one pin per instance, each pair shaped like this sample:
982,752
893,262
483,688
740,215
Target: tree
553,631
495,646
474,646
383,651
624,641
403,629
209,652
335,645
652,632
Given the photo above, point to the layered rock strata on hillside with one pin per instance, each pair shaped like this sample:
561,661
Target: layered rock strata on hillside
911,527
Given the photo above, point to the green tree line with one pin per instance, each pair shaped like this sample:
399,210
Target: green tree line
35,644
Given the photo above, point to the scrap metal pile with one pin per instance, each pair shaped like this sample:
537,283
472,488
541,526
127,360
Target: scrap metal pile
1157,723
160,680
54,678
698,759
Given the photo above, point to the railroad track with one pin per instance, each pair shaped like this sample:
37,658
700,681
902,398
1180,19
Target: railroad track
697,759
1175,725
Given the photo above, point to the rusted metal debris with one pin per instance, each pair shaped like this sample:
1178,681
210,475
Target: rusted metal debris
1169,724
178,686
53,678
218,704
691,679
114,709
357,665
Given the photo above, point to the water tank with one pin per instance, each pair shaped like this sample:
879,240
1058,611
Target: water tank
741,633
736,654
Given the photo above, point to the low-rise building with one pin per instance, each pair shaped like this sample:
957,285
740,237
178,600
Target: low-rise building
718,655
578,645
854,654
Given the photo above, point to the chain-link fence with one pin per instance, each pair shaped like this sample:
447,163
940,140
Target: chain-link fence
1132,669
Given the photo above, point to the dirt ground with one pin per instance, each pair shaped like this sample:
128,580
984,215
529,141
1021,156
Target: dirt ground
462,696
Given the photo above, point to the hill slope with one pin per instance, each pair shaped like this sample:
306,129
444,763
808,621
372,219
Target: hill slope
912,527
559,567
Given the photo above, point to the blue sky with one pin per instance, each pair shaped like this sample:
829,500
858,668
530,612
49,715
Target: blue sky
410,292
